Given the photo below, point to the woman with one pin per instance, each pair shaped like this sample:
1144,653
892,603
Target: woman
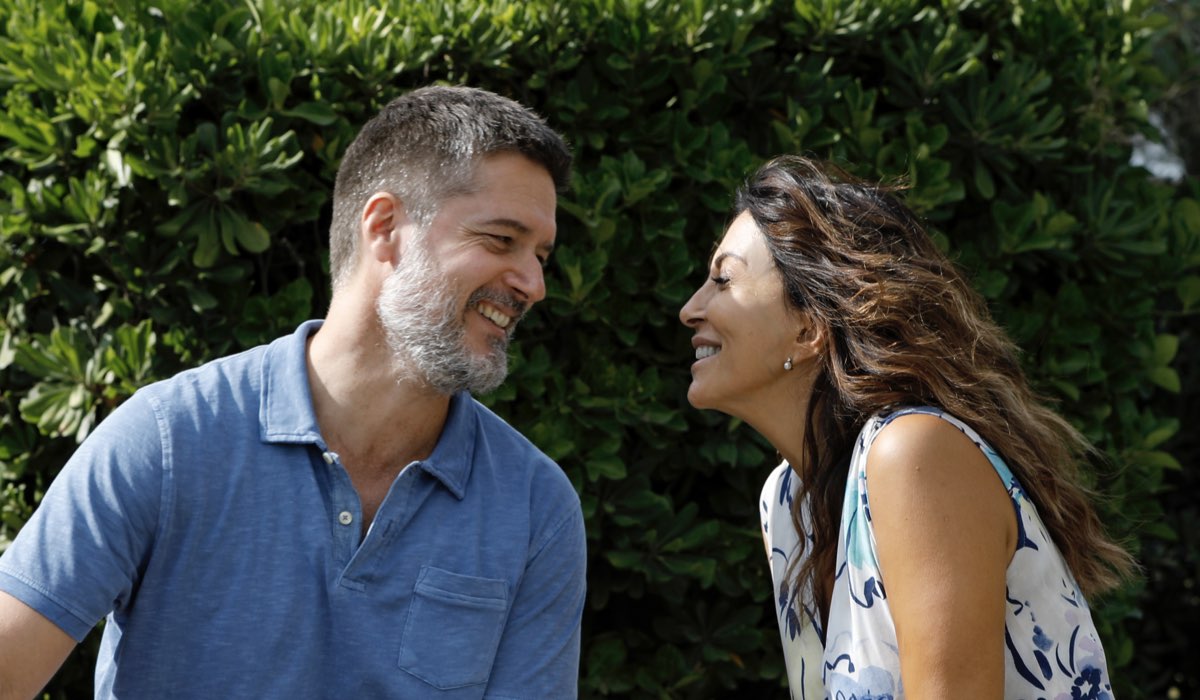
947,543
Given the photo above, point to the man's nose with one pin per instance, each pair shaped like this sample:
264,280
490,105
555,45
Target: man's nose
528,280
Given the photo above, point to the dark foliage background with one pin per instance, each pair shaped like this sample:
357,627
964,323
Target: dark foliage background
166,171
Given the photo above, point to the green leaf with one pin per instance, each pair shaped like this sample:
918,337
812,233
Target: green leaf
606,653
1161,434
624,559
1165,348
180,221
694,537
605,467
1158,458
318,113
1161,530
1188,290
208,247
1166,378
251,235
983,181
1187,215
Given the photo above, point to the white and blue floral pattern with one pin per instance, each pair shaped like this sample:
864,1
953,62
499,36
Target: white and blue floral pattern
1052,651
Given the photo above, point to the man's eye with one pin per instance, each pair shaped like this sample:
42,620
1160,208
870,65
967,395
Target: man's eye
500,238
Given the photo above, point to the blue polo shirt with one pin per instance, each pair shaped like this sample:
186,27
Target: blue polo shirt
207,519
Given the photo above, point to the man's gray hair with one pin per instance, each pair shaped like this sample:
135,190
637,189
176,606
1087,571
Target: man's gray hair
423,147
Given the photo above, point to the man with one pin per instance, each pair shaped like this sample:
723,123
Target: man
332,515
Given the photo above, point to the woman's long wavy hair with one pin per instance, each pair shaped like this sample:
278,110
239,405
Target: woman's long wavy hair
903,327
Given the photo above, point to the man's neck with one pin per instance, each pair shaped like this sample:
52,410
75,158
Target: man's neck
361,408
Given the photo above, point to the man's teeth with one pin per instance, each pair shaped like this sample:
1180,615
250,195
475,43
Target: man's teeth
494,315
706,351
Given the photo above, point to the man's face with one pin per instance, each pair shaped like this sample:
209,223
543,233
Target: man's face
452,303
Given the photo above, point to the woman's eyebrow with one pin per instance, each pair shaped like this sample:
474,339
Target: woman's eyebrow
721,258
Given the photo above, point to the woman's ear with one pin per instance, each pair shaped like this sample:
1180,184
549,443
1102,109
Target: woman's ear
810,338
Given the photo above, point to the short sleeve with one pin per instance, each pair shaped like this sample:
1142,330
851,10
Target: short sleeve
81,554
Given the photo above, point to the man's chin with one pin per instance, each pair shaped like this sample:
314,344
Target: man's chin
488,375
478,375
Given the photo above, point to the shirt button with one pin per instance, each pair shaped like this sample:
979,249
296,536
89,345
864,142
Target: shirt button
345,517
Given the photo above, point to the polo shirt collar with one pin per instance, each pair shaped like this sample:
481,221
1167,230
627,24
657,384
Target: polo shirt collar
454,454
286,412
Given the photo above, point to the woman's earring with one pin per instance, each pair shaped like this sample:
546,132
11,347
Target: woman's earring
787,365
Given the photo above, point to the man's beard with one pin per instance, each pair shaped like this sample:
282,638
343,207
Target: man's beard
426,331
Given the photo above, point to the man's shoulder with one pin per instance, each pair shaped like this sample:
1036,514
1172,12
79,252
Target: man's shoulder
515,451
239,367
228,389
500,430
231,372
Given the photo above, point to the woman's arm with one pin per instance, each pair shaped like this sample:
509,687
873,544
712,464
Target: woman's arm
945,531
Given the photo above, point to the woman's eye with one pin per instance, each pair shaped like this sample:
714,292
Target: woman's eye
720,280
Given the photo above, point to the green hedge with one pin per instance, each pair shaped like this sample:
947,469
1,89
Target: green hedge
166,171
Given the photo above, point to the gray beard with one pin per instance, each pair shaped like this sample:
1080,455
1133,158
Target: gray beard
426,332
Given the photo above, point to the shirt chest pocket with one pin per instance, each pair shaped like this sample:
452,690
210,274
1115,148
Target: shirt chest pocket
453,628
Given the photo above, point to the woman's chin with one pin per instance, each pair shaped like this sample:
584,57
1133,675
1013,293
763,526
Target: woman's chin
698,399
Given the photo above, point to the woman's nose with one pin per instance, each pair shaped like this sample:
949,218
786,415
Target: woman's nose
692,312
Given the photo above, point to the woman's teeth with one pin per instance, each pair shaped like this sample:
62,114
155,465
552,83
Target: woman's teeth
706,351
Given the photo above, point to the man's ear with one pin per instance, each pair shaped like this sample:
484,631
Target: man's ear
382,228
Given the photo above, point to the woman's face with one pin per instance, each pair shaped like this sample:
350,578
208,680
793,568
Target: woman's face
744,329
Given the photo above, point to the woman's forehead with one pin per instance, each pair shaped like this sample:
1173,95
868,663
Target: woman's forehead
743,240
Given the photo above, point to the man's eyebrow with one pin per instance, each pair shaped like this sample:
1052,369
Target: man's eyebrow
508,223
518,227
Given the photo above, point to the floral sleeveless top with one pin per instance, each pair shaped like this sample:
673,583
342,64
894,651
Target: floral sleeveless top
1052,651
